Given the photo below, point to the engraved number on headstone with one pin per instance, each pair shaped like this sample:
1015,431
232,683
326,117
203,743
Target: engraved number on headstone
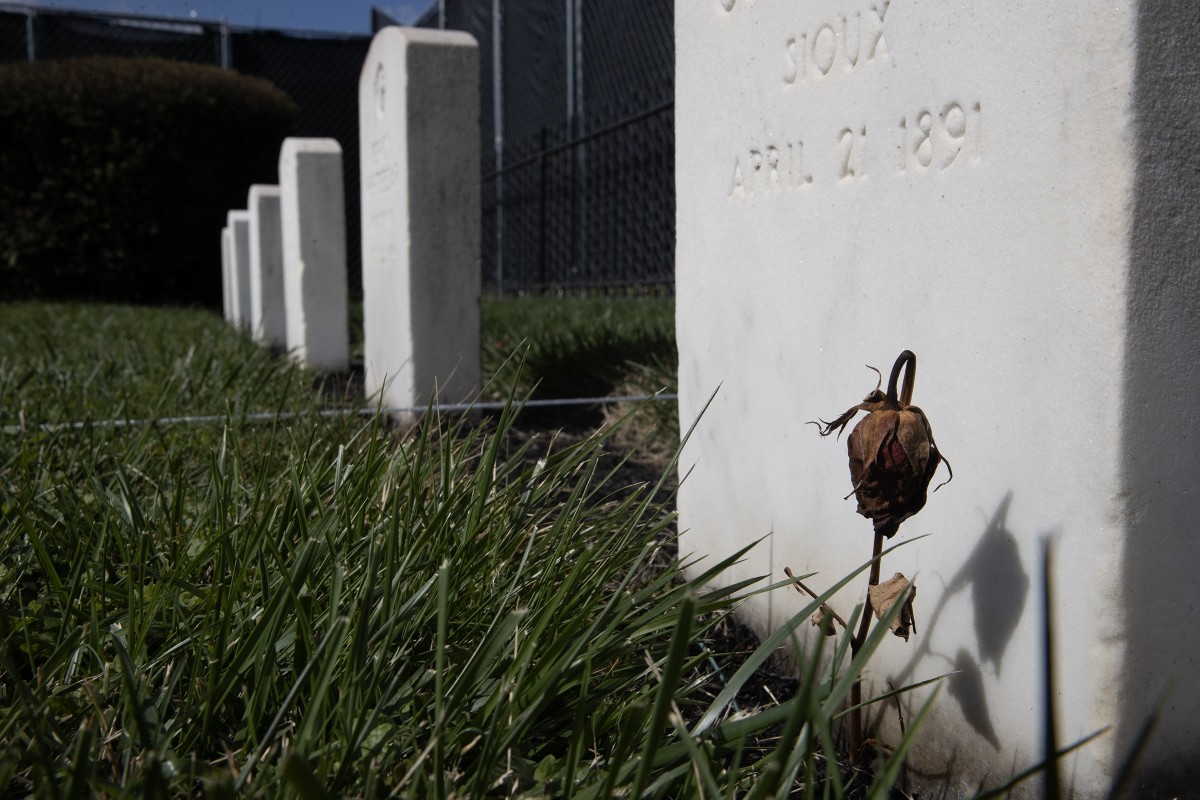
853,149
954,123
928,137
922,149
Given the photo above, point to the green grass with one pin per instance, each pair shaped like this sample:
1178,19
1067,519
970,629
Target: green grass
555,347
579,346
71,362
330,607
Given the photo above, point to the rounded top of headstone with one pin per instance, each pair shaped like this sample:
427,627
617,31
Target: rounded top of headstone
258,190
401,37
392,44
300,144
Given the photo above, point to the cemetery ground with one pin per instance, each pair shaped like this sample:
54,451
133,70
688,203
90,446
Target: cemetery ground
329,605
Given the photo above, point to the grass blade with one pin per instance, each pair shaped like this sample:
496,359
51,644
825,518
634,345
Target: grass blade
666,691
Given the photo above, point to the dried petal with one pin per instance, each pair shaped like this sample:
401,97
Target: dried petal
916,439
884,595
872,402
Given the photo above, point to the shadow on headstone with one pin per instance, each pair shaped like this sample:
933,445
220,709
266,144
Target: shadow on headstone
999,589
999,586
966,686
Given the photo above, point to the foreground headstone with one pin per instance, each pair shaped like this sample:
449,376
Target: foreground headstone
239,238
313,224
1010,192
267,320
419,132
227,274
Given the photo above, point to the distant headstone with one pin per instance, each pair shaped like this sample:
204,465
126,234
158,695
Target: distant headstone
227,274
313,224
267,321
1010,191
239,234
419,133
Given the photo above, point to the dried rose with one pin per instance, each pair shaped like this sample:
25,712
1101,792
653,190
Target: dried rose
883,596
892,452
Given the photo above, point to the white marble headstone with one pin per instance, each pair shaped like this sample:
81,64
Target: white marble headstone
239,235
313,225
419,133
1010,191
227,274
267,320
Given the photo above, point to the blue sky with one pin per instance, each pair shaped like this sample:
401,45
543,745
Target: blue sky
340,16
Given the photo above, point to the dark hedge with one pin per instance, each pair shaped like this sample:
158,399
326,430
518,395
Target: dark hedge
116,175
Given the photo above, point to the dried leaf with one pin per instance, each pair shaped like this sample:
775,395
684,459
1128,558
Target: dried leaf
823,618
885,595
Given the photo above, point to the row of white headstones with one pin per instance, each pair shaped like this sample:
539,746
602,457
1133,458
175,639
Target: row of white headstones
272,262
284,265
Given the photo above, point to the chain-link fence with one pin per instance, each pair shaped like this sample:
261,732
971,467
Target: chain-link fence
576,108
578,140
318,71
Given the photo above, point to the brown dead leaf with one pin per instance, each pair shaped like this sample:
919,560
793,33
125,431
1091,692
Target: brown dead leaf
823,618
884,595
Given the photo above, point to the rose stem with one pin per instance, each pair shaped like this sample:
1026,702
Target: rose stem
906,359
864,625
800,585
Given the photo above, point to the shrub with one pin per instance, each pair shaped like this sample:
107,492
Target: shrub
116,174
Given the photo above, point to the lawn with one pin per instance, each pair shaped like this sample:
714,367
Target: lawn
329,606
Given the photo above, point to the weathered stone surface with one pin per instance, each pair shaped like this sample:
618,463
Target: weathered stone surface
1009,190
313,225
419,134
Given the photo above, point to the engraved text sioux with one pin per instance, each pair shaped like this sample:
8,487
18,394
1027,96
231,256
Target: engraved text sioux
792,157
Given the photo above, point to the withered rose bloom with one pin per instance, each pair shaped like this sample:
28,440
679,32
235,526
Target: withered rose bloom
892,452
